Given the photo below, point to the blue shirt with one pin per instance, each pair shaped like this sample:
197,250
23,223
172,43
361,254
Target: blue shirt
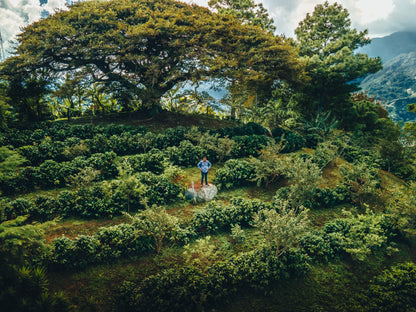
204,166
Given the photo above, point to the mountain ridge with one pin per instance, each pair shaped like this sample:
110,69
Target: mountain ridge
395,84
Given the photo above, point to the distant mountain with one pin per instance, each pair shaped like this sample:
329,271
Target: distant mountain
391,46
395,84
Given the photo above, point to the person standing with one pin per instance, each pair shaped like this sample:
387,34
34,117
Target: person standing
204,165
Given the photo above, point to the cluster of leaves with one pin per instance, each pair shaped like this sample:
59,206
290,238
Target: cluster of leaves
23,282
362,181
59,131
291,140
235,173
190,288
107,245
394,289
281,227
104,199
401,210
216,216
360,236
52,174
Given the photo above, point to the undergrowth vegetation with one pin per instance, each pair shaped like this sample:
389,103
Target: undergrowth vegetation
224,247
314,207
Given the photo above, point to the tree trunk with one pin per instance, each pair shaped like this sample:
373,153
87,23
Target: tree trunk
151,102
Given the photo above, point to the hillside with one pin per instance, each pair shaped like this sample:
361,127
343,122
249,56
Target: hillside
389,47
64,207
310,201
395,84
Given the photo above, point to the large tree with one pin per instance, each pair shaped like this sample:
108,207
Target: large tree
246,94
140,49
327,44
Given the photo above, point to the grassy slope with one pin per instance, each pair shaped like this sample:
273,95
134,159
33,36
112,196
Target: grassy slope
325,288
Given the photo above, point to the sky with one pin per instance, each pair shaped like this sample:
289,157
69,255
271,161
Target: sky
380,17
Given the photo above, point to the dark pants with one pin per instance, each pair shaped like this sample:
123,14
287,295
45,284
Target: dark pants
204,174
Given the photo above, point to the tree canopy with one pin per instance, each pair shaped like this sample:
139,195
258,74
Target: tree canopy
327,44
246,10
139,50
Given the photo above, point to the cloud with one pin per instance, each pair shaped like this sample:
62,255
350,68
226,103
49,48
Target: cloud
288,14
381,17
401,18
15,14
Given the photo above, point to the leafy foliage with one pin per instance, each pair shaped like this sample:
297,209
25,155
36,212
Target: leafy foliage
327,45
394,289
362,181
216,217
155,222
360,236
234,173
105,246
188,289
281,228
142,49
304,176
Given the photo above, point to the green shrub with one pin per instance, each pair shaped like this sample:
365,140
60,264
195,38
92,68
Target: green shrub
362,181
249,145
394,289
154,161
190,289
292,141
19,207
105,246
174,136
186,154
154,222
235,173
359,236
22,180
281,226
304,176
216,216
120,241
317,247
160,189
319,197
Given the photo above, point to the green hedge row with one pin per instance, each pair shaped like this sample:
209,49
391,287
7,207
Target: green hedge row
321,197
191,289
60,131
235,173
92,202
107,245
51,174
216,216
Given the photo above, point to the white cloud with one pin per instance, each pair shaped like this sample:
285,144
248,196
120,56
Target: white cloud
288,14
402,17
15,14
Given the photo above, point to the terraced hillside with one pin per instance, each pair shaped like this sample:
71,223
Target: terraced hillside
298,224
